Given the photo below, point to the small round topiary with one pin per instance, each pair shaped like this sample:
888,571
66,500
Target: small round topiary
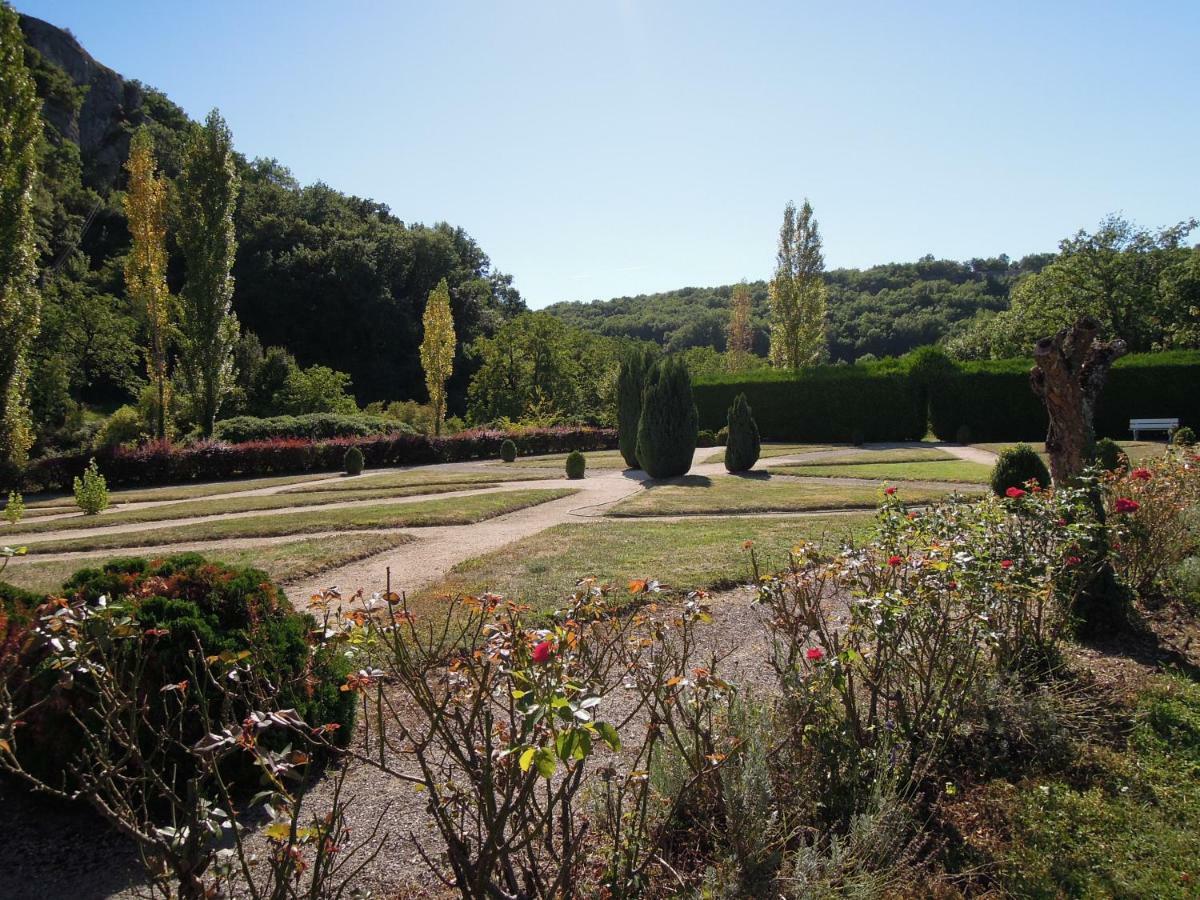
1017,466
353,461
1109,456
705,438
508,450
1183,437
576,464
723,436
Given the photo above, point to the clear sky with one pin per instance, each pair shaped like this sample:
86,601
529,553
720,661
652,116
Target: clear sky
598,148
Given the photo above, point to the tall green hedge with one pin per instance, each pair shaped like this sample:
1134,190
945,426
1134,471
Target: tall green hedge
827,403
897,400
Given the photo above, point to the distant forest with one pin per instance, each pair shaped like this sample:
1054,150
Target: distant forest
885,310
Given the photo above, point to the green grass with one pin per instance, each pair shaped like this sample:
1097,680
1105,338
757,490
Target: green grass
699,495
177,491
1133,828
947,470
283,562
369,481
442,511
543,568
1137,451
869,457
596,459
772,450
198,508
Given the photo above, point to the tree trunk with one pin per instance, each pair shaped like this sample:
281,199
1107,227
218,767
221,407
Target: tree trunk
1069,372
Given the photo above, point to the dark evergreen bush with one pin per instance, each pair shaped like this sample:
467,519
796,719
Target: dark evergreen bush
508,451
723,436
576,464
1016,466
1109,456
705,438
184,601
668,427
1183,437
353,461
631,383
743,446
963,435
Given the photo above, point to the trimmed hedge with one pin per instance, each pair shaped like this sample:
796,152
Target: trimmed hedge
163,463
827,403
988,400
313,427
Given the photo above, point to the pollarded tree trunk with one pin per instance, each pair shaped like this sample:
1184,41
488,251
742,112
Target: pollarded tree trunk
1069,372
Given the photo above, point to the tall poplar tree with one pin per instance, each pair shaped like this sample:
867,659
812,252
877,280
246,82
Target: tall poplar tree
208,330
740,338
437,350
146,265
20,303
797,292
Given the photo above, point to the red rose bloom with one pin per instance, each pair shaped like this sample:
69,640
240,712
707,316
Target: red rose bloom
1140,474
895,560
814,653
1006,563
1014,493
953,585
889,491
1073,560
542,652
1125,505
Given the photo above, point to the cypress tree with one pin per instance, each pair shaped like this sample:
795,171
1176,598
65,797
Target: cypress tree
631,383
743,446
20,303
667,430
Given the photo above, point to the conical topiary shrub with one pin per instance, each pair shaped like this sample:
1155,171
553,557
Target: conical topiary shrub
631,383
508,451
669,424
353,461
743,446
576,464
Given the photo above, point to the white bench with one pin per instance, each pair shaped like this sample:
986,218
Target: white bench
1138,425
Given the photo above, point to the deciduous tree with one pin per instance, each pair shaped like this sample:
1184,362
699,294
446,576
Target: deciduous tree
20,134
437,350
208,189
146,265
797,292
741,335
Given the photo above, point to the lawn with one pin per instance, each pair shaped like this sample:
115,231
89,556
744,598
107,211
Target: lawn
177,491
958,470
283,562
1135,450
410,478
710,553
699,495
423,513
596,459
1131,828
771,450
198,508
859,457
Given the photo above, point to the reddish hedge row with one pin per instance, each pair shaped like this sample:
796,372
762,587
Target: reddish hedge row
163,463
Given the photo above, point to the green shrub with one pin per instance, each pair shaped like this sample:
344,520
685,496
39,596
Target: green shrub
668,427
636,365
91,491
124,426
743,447
705,438
576,464
1016,466
185,601
353,461
1109,456
14,509
723,436
508,450
312,426
1183,437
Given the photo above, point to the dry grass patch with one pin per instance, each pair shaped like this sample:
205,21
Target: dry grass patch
955,470
178,491
1137,451
596,459
773,450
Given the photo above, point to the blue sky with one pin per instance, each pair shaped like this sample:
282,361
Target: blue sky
596,148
